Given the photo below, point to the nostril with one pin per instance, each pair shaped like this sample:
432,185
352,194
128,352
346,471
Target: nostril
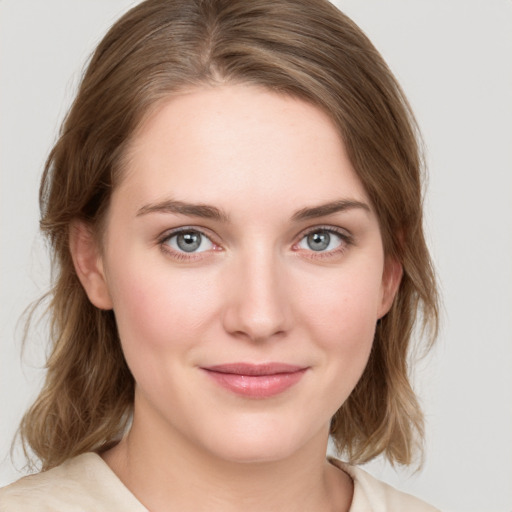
257,307
256,322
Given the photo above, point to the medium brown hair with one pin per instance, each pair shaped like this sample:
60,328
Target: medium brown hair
304,48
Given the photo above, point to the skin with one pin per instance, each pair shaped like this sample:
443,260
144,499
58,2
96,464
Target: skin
255,291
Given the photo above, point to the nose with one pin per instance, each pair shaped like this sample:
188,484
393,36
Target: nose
257,306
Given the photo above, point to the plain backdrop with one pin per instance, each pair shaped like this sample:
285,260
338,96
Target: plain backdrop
454,60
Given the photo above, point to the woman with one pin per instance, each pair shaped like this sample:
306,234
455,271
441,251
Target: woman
234,206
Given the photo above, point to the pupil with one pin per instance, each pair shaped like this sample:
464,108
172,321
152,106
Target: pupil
189,242
319,241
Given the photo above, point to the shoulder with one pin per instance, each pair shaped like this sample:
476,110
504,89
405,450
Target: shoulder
372,495
81,484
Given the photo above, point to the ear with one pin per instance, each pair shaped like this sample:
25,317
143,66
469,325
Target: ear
88,264
391,278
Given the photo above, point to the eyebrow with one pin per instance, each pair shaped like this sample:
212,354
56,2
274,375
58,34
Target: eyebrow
212,212
195,210
322,210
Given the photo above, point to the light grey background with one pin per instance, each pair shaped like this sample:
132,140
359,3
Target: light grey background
454,60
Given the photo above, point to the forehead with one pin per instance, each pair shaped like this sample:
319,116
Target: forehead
217,144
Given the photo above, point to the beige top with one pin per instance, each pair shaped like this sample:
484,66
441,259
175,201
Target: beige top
87,484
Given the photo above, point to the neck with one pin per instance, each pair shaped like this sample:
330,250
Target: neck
165,472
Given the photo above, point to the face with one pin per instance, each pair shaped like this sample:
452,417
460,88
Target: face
245,267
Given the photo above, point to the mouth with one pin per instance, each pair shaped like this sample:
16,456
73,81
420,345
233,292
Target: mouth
256,380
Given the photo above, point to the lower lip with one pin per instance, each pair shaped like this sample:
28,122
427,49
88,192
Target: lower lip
257,386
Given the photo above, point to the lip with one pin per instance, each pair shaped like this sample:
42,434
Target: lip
256,380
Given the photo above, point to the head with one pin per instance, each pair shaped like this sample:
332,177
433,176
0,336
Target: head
159,50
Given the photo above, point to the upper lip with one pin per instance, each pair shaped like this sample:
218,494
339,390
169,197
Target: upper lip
255,369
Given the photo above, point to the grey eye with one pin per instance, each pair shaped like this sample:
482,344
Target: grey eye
318,241
321,240
189,241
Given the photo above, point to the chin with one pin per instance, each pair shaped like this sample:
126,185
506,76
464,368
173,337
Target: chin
253,453
258,443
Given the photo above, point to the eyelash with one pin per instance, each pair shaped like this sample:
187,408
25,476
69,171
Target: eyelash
346,241
182,255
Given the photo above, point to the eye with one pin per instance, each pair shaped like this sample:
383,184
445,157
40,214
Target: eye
323,240
189,241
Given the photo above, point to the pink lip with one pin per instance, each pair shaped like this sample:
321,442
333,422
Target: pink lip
256,380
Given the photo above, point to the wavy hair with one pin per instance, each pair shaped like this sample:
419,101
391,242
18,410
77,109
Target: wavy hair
304,48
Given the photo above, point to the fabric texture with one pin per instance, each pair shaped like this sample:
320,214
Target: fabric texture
87,484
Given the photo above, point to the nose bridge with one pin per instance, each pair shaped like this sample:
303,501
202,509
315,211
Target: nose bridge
258,306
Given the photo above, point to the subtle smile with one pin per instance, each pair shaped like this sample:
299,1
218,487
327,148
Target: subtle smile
256,380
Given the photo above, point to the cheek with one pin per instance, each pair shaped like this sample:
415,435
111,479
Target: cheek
344,307
159,308
340,313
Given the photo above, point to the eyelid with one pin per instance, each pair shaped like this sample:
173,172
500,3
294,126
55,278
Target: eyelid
326,227
344,234
168,234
